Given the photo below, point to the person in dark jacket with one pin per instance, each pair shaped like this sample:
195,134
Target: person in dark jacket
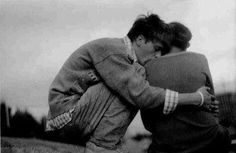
188,129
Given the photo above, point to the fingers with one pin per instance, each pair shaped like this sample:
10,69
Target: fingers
208,89
215,105
213,98
205,88
215,102
209,98
214,108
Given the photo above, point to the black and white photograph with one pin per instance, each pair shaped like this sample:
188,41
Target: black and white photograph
112,76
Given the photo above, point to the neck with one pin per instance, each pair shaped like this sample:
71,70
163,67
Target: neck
175,50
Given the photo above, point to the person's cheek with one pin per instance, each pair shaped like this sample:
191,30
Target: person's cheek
157,54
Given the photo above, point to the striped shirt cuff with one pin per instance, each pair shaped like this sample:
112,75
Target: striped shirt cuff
171,101
59,121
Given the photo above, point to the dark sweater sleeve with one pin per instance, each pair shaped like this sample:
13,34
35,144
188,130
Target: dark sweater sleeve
120,75
206,71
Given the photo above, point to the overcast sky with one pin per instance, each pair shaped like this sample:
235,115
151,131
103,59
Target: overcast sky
37,36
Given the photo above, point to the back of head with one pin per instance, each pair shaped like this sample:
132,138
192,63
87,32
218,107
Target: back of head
181,35
152,28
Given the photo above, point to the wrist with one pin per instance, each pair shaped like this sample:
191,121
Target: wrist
202,98
196,98
190,99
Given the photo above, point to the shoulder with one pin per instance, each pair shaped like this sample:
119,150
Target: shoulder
195,54
177,59
198,56
106,43
102,48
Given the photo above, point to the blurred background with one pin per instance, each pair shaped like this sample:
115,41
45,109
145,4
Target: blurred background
37,36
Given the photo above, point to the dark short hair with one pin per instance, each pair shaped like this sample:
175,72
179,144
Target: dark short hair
181,35
152,28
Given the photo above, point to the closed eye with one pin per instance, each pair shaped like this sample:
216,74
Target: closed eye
158,49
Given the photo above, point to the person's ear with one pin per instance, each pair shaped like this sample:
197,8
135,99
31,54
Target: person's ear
188,45
140,40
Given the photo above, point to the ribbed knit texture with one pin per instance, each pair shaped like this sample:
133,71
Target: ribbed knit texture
189,127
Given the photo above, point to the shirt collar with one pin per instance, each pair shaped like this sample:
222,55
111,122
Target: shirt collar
130,49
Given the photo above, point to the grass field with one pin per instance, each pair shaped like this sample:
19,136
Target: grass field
23,145
18,145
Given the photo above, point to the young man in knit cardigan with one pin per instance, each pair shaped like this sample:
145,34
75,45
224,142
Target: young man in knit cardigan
188,129
99,89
